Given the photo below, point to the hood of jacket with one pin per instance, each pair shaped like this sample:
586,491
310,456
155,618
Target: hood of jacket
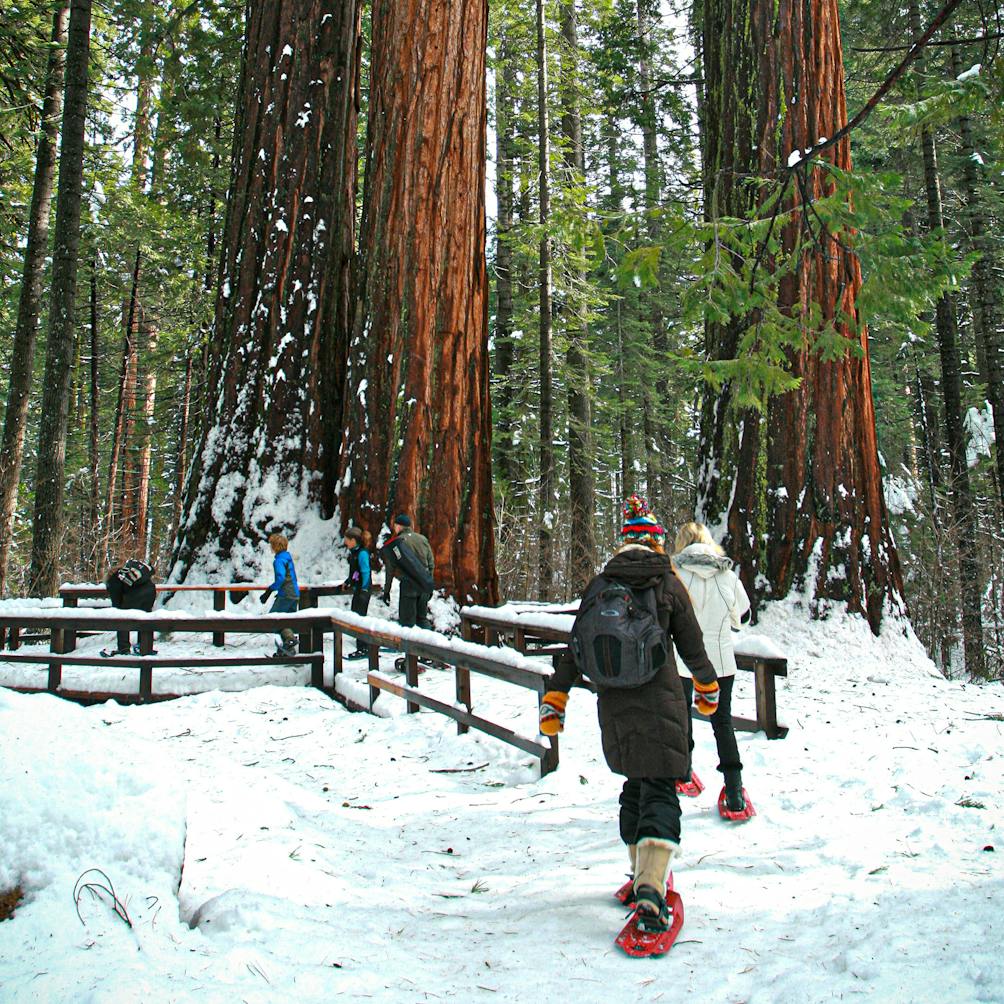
702,559
638,566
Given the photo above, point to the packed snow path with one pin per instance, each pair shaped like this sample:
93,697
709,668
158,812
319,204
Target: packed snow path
332,855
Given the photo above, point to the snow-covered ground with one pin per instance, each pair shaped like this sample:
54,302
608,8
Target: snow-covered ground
270,846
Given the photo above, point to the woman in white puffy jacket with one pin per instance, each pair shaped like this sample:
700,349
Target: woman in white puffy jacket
721,605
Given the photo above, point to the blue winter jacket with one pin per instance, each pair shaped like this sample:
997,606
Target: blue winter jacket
359,569
285,584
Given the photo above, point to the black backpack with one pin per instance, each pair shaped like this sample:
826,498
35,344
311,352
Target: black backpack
616,639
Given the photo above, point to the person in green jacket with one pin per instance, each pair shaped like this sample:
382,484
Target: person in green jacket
408,556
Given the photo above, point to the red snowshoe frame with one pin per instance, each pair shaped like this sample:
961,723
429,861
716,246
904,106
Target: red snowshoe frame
691,788
725,812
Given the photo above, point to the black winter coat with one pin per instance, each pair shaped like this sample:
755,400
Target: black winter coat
644,729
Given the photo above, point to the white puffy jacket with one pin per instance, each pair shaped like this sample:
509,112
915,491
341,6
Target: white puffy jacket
719,599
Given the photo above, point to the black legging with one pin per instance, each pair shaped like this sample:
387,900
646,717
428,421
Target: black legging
721,723
650,807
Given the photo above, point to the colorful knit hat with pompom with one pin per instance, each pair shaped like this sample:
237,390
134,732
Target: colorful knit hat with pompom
640,525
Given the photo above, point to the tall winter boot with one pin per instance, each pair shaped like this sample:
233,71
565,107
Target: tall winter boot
734,800
654,856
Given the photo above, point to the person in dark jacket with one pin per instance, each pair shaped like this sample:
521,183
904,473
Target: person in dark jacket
130,587
644,729
407,555
286,589
358,582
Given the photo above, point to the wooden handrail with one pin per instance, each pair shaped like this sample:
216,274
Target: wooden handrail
764,668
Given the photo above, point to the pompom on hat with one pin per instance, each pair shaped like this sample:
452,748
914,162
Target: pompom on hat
640,525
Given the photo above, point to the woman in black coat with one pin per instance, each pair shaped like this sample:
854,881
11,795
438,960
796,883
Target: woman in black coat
644,729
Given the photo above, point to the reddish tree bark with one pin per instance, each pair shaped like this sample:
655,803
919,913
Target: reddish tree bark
418,433
799,491
277,357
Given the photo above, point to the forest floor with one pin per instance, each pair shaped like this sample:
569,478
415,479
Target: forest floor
270,846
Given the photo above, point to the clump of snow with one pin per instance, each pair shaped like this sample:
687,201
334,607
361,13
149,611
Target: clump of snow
980,435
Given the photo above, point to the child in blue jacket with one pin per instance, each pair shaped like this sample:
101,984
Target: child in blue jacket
358,582
286,589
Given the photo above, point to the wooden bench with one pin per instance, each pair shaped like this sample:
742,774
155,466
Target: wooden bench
72,594
64,626
146,666
540,639
464,663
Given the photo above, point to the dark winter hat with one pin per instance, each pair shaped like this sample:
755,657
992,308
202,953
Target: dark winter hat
640,525
354,533
402,519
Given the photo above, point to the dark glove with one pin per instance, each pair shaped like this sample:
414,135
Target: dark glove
265,595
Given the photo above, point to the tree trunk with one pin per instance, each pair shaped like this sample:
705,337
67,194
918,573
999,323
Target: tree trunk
581,491
983,295
30,302
545,495
505,138
418,433
658,446
94,452
280,337
798,494
182,468
122,405
48,522
946,325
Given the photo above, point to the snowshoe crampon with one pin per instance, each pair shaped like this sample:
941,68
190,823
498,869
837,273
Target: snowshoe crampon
732,815
625,894
645,934
691,788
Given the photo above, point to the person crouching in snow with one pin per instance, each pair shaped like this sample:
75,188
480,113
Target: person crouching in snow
286,589
358,582
643,728
721,605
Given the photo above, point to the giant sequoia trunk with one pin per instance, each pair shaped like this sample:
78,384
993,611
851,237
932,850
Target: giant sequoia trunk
417,429
22,357
48,518
799,490
283,311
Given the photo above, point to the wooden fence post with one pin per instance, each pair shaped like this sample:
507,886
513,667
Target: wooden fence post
219,605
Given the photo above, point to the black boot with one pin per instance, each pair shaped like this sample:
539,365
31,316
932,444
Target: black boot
734,800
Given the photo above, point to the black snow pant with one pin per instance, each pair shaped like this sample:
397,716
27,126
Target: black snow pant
721,723
413,610
650,807
141,597
360,604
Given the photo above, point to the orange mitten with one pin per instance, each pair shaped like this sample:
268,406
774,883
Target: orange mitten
706,697
552,712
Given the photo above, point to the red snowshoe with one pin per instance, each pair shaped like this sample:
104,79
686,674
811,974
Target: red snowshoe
650,934
735,815
691,788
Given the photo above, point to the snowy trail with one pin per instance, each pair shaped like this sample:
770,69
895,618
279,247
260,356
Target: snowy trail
325,857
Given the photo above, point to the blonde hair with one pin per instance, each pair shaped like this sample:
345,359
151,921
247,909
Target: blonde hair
278,542
694,533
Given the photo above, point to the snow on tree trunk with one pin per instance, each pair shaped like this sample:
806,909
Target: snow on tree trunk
283,309
418,417
798,492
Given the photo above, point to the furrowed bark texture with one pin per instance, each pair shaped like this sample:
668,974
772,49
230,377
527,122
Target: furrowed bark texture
277,359
30,303
48,517
799,491
418,418
581,491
